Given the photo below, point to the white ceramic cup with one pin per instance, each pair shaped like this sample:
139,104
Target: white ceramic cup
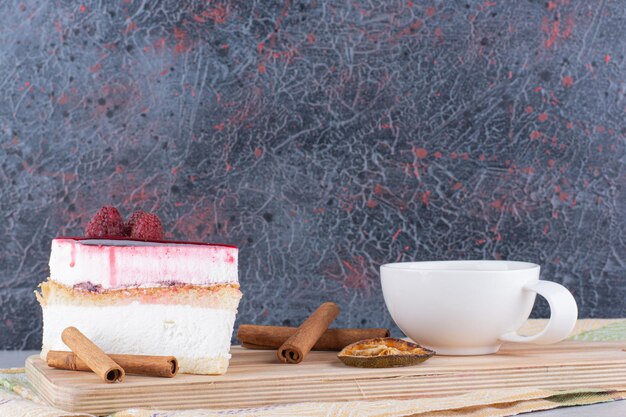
471,307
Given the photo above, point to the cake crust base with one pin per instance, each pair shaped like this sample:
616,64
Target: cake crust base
222,296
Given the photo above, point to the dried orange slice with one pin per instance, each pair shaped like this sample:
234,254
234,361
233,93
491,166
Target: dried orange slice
383,352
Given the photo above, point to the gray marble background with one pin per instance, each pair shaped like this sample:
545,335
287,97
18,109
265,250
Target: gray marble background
323,138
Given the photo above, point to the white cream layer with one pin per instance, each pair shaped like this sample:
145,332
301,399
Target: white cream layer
127,263
200,335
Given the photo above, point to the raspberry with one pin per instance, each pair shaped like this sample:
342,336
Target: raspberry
147,227
128,227
106,222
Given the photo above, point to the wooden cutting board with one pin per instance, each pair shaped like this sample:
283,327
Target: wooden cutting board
256,378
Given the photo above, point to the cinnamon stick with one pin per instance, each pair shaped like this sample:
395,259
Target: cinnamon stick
295,348
92,355
163,366
270,337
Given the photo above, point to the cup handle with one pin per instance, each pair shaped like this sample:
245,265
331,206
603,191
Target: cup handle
563,314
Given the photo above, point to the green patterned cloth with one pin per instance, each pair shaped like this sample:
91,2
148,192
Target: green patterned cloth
612,332
18,398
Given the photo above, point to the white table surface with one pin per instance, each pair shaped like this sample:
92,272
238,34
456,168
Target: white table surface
16,358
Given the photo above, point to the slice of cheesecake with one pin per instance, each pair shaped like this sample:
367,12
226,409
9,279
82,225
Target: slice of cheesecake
148,298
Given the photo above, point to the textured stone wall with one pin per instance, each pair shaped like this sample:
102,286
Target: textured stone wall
323,138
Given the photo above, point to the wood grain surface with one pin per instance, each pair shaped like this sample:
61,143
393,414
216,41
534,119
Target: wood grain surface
257,378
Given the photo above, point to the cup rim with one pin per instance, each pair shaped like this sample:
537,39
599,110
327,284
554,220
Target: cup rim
440,266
